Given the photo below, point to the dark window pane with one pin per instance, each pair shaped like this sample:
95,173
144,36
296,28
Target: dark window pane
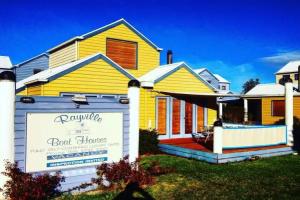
35,71
278,108
286,76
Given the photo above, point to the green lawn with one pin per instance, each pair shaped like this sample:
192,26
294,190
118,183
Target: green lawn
269,178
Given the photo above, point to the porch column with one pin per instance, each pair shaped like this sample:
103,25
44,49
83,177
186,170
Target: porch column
221,110
289,115
218,137
7,116
134,111
245,110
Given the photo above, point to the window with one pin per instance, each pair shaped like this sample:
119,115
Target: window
223,87
122,52
35,71
65,94
278,108
296,77
286,76
162,110
209,81
109,96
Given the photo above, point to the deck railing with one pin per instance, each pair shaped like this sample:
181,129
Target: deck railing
253,136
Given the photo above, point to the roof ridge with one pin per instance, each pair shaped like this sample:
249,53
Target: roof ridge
269,84
104,28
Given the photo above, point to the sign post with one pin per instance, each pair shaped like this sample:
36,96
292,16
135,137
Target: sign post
218,137
7,116
134,107
289,116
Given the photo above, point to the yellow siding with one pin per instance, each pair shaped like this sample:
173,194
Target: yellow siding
147,109
278,77
96,77
297,107
34,90
23,92
267,117
182,81
63,56
148,57
211,116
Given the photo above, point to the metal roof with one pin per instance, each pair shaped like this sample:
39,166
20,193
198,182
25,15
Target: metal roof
289,67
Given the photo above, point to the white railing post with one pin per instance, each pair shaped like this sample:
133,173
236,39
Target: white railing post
218,137
245,110
134,105
7,116
221,110
289,114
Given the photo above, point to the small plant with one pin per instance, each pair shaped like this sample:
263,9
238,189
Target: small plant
25,186
155,169
148,142
118,175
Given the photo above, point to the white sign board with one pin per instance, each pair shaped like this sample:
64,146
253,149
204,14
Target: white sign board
58,141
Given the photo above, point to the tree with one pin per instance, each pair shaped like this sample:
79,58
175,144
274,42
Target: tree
248,85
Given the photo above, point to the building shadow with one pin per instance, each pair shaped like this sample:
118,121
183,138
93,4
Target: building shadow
130,190
296,132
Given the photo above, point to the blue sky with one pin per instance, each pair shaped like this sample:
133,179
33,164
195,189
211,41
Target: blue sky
237,39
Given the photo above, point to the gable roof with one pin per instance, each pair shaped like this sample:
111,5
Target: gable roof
35,57
198,71
163,71
5,63
201,70
56,72
221,79
102,29
268,90
289,67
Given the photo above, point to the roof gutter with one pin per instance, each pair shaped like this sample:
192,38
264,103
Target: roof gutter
35,81
147,84
267,95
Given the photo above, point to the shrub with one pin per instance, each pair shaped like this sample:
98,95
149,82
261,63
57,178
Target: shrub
148,142
25,186
155,169
122,173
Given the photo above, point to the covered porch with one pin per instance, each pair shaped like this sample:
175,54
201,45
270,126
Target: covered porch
231,142
179,114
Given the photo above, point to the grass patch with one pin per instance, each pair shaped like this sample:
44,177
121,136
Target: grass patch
269,178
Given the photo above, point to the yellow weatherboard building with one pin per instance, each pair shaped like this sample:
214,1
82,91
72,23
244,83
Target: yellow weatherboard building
269,99
102,62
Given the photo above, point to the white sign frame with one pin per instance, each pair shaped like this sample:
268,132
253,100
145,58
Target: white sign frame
117,123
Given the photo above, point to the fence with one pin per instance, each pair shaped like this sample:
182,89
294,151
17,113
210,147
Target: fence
253,136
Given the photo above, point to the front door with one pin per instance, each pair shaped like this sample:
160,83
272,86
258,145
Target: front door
162,117
188,118
200,118
176,116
